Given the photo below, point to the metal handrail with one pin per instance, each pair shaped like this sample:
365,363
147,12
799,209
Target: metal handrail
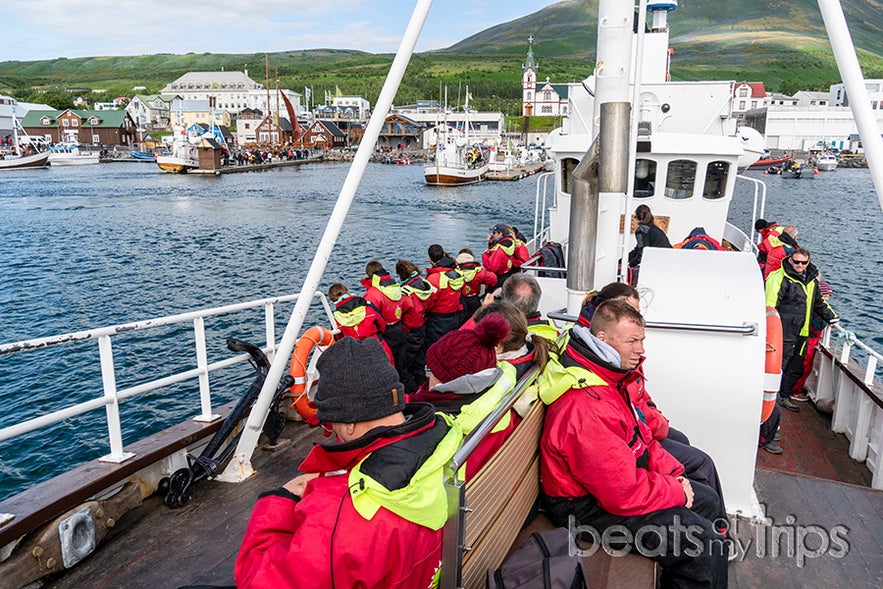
471,441
744,329
112,396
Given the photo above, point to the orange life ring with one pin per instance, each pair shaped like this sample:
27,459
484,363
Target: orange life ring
314,336
772,377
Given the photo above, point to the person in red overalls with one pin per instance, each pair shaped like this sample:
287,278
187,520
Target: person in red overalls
418,292
499,257
442,308
475,277
384,292
356,317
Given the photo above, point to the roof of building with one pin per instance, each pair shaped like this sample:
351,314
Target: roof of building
105,118
757,88
332,128
813,94
217,81
146,98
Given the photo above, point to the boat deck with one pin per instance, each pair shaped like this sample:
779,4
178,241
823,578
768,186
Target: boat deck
198,543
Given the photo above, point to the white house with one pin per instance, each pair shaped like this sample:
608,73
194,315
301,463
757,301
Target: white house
352,107
10,106
543,98
797,128
231,91
747,96
151,111
837,94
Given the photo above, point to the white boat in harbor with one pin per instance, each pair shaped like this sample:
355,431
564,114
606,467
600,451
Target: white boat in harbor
180,155
826,162
457,162
70,153
13,161
706,345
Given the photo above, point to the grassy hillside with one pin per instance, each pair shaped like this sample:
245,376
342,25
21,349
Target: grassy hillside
779,42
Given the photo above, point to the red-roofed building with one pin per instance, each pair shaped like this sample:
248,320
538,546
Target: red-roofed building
747,96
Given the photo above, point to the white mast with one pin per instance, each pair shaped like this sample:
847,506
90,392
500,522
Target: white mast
859,102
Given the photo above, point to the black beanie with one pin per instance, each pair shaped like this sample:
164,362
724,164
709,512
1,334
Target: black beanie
357,383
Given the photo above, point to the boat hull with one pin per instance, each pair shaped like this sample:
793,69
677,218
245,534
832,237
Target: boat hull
770,161
175,165
77,160
447,176
37,160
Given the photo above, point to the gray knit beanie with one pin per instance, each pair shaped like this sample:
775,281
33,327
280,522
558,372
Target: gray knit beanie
357,383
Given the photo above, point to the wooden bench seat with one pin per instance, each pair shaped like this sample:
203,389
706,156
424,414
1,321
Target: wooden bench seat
496,511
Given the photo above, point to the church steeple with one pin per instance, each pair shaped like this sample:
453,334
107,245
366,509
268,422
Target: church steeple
530,62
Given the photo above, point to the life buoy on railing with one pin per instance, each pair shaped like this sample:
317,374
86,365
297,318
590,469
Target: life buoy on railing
772,377
314,336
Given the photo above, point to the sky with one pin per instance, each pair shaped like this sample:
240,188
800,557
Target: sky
48,29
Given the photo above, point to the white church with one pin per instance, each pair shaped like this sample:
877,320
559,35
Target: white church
545,99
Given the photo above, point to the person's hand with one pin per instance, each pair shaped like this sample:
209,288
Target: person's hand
688,491
297,485
491,297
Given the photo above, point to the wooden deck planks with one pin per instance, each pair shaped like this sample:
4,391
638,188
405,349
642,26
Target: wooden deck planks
811,448
196,544
810,501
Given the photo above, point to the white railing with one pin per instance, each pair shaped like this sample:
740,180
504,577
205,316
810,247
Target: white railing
541,205
851,385
759,198
111,397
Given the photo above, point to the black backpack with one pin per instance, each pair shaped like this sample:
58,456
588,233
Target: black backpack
542,562
552,255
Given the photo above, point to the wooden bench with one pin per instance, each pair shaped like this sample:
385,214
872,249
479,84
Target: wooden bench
495,512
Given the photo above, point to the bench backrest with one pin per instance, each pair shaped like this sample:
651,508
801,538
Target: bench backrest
489,511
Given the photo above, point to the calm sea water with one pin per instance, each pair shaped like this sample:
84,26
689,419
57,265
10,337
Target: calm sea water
92,246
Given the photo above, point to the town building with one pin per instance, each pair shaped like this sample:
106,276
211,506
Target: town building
806,128
183,112
231,91
543,98
151,112
96,127
9,106
324,134
400,131
747,96
837,94
352,107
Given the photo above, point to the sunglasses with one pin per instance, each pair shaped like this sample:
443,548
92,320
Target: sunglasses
800,262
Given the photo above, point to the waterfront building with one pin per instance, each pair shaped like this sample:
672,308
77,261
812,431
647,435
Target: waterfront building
96,127
151,112
837,94
804,128
747,96
8,104
544,99
325,134
231,91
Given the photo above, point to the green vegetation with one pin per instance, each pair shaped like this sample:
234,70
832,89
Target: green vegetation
779,42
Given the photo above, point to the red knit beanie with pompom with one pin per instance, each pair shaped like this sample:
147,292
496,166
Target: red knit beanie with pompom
467,351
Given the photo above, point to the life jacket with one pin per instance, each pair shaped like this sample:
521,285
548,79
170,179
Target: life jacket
415,285
451,279
699,242
469,270
358,318
388,286
542,327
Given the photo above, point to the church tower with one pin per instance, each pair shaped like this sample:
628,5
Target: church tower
529,81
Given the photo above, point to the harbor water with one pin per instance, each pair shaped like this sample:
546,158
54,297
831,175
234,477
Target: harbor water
93,246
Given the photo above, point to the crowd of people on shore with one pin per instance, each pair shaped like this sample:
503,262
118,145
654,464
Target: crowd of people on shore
421,360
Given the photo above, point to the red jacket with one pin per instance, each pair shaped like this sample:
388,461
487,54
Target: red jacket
595,448
357,318
499,256
288,542
416,291
389,302
446,298
655,420
476,276
521,255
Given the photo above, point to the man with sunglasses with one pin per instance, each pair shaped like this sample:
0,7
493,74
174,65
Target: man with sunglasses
794,291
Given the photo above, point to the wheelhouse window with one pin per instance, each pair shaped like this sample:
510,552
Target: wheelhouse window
716,175
681,179
568,165
645,178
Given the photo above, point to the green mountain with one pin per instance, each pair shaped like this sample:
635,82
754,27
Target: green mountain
774,41
779,42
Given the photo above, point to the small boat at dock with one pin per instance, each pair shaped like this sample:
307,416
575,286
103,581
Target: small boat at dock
69,153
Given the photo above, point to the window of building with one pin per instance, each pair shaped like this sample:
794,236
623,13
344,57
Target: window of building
547,95
645,178
65,123
744,91
528,96
741,105
567,167
680,179
716,180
